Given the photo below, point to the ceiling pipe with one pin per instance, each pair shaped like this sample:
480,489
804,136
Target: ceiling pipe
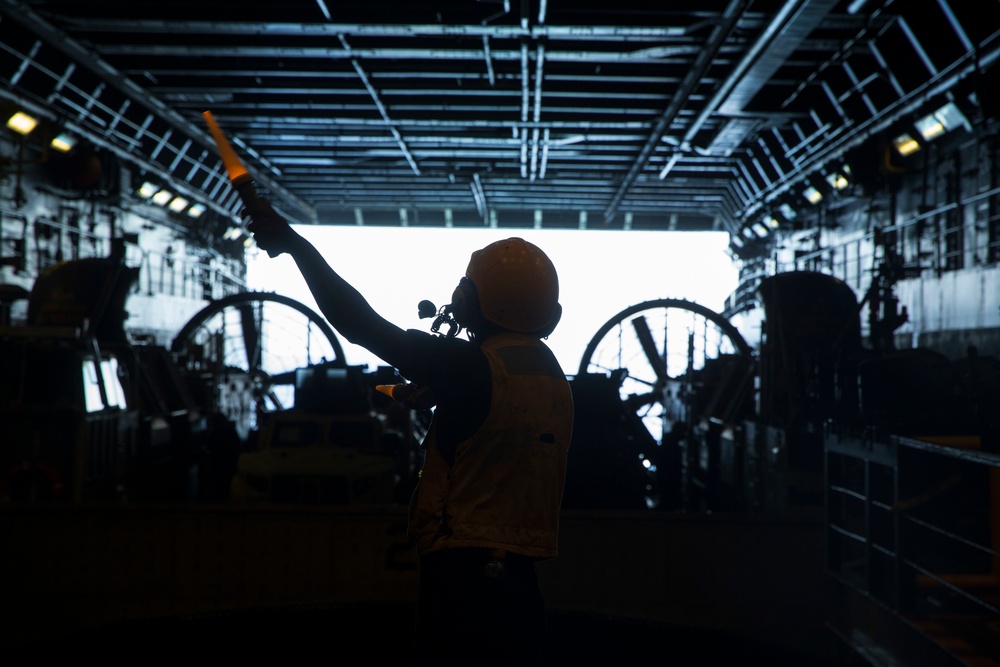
489,61
381,109
257,29
729,19
537,111
523,130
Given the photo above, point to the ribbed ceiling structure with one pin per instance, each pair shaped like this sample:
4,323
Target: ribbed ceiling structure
569,114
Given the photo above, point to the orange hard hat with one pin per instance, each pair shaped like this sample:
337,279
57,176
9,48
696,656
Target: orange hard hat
517,285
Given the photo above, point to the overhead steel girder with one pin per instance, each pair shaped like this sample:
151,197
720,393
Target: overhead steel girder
847,137
720,33
782,36
81,56
256,29
404,54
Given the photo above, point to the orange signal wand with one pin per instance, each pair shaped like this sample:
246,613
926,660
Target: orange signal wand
389,390
234,167
241,180
419,398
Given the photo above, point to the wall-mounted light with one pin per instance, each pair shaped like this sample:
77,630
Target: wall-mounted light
176,203
147,190
787,211
929,127
840,178
63,143
945,119
905,144
812,195
22,123
162,197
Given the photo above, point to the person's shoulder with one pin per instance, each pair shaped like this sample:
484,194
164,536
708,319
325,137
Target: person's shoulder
424,340
436,358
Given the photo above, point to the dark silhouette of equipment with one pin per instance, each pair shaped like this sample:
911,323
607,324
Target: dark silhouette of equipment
654,384
675,411
69,400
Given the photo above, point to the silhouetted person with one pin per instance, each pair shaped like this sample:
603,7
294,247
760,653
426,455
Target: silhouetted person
486,507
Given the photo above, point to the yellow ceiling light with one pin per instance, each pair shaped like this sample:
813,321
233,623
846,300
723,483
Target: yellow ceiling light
839,179
929,127
905,144
812,195
945,119
147,190
22,123
63,143
196,210
178,204
162,197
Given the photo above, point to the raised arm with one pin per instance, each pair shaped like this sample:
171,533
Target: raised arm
342,305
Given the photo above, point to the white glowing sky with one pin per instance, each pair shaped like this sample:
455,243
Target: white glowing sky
600,273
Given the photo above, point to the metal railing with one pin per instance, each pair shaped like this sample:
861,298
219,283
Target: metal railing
914,523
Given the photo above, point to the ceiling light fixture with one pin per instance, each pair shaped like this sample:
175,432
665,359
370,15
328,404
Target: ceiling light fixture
905,144
22,123
812,195
162,197
929,127
839,179
63,143
178,204
945,119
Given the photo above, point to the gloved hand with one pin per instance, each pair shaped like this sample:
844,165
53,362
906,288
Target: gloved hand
270,231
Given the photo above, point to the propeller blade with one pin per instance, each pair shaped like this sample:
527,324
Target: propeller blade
636,401
288,377
277,401
251,334
659,364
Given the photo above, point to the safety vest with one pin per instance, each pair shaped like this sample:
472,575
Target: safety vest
505,487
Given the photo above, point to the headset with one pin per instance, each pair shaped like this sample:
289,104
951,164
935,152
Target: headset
443,316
